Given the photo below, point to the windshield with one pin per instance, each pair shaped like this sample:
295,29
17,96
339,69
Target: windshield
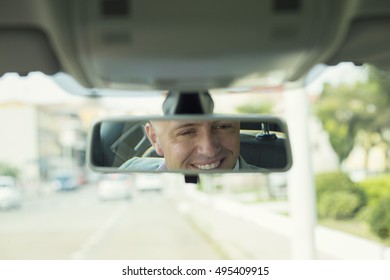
69,212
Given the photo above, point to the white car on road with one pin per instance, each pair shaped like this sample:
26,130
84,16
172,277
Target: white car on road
115,186
10,196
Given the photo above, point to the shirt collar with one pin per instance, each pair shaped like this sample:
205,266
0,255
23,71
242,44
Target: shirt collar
237,166
162,167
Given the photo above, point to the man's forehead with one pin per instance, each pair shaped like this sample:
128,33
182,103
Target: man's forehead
180,124
172,125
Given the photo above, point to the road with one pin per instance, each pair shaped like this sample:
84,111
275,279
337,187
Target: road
77,225
171,224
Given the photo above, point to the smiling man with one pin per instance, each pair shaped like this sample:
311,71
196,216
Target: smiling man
194,145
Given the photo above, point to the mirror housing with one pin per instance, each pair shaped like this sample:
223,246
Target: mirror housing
123,144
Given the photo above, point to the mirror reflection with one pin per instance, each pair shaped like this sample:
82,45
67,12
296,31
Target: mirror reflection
193,145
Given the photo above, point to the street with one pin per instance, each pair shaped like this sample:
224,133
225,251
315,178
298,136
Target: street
77,225
172,224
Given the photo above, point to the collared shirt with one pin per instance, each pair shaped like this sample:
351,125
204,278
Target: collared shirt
162,167
236,166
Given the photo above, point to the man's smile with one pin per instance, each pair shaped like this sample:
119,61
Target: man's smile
209,165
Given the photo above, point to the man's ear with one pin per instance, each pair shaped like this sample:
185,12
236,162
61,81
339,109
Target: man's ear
152,136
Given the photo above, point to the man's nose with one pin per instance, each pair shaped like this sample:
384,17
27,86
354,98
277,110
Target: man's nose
209,145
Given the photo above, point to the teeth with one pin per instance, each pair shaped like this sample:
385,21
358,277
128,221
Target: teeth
208,166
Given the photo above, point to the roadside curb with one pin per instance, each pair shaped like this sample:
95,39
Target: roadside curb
332,242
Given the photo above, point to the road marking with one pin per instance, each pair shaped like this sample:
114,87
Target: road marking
95,238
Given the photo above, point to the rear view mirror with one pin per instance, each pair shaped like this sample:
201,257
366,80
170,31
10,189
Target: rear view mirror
190,144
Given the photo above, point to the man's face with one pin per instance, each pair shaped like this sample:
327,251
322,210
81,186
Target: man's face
204,145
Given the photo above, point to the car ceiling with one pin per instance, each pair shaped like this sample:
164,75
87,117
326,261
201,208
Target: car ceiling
189,45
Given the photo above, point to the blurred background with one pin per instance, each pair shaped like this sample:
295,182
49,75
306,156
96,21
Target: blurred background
53,207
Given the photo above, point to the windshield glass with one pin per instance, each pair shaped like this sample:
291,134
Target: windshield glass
66,211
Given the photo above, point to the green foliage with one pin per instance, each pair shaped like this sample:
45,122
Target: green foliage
344,110
380,218
338,205
337,196
361,109
340,139
332,182
381,78
255,107
376,188
8,170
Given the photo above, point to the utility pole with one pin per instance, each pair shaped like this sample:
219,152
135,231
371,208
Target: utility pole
301,189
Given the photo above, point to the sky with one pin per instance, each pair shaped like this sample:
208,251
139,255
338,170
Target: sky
39,89
342,73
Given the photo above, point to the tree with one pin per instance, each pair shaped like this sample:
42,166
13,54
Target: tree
357,113
342,110
7,170
381,123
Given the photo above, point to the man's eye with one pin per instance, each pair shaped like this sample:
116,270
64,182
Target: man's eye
224,126
186,132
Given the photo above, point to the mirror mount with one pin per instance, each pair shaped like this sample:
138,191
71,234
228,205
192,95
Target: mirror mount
177,103
191,179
